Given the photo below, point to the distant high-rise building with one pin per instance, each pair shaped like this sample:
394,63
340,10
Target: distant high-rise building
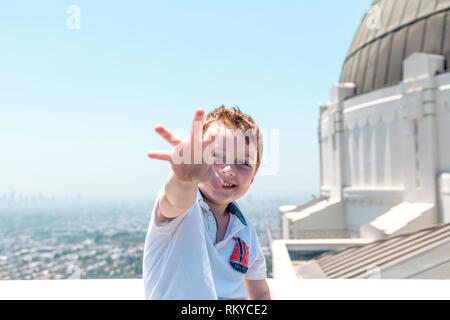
12,196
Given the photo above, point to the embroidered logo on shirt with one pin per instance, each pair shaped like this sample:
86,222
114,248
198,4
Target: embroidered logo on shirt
239,257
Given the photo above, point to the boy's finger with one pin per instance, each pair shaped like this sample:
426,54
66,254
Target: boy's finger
208,141
167,135
160,155
197,126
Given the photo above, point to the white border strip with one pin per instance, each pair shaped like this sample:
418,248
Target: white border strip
287,289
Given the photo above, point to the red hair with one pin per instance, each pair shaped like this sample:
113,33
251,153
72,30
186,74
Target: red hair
234,118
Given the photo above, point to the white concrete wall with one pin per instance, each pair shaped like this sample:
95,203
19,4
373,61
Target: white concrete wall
443,121
359,214
444,195
326,222
327,160
282,267
403,218
373,154
372,143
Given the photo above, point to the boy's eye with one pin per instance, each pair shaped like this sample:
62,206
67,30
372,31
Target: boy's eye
243,162
219,157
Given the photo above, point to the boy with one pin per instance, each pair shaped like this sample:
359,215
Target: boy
199,245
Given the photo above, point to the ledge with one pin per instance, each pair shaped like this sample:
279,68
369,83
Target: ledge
375,194
289,289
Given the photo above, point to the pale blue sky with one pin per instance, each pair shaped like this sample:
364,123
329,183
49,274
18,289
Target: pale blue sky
78,107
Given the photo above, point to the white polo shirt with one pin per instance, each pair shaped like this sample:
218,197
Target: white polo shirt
183,261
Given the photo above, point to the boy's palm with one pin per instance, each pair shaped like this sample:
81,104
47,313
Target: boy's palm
190,167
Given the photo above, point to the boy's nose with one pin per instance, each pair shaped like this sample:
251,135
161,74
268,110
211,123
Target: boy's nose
228,170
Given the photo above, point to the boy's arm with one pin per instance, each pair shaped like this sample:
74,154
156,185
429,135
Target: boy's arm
177,197
258,289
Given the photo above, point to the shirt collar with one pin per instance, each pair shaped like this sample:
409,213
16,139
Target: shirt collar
233,208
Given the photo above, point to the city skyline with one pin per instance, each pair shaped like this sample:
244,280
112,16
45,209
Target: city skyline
85,239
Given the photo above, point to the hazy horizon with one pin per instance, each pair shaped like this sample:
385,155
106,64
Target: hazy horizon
15,197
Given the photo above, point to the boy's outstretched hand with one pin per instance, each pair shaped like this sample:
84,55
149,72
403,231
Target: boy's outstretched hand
190,160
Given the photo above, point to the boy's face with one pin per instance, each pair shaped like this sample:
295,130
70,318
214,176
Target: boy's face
234,162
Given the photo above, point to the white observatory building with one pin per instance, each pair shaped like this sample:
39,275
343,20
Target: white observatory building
384,156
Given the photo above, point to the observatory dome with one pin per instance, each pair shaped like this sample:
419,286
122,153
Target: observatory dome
390,32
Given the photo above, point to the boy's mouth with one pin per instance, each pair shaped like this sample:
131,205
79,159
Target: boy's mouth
228,185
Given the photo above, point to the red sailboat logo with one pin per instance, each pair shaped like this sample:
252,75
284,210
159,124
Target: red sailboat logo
239,257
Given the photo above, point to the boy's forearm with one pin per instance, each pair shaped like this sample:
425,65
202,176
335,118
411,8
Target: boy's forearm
179,195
